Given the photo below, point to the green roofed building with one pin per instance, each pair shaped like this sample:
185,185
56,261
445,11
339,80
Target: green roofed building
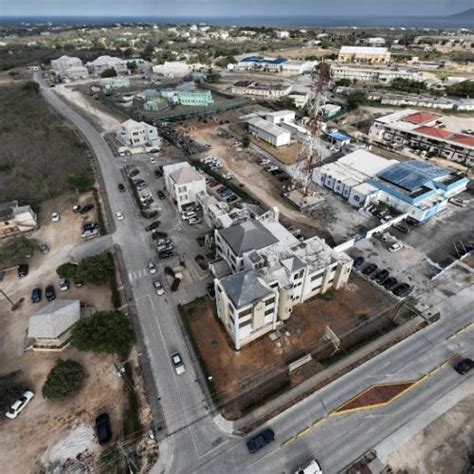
155,105
200,98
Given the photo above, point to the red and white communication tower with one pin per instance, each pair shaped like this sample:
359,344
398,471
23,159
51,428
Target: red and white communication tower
310,151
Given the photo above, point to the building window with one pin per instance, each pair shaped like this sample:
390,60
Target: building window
245,323
245,312
269,311
270,301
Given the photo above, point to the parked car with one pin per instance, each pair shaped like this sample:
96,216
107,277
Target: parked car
178,363
160,194
154,150
231,198
152,226
395,247
20,404
194,221
158,173
402,290
390,283
464,366
78,283
381,276
121,188
87,208
458,202
260,441
164,241
401,228
310,467
55,216
152,160
369,269
133,172
187,215
64,284
36,295
152,267
165,254
119,216
50,293
23,270
43,248
76,209
358,262
411,221
103,429
158,287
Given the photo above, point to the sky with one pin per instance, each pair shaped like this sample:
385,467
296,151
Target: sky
232,8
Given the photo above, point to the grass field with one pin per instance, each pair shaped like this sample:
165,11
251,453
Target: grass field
38,151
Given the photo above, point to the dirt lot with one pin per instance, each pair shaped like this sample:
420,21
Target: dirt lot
333,220
263,363
443,446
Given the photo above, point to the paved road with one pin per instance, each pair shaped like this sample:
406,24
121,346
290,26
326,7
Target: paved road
195,443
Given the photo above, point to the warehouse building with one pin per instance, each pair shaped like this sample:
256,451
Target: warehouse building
261,62
268,90
273,134
339,71
296,67
363,55
423,131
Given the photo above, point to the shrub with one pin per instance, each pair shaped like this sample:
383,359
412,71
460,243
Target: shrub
104,331
10,389
68,270
64,379
31,87
111,72
14,250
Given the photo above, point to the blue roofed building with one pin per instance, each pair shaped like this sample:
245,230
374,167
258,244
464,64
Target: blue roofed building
418,188
261,62
338,138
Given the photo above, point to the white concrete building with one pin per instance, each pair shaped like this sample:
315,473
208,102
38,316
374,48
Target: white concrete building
363,55
134,134
102,63
295,67
69,67
339,71
215,213
272,272
269,90
273,134
173,69
15,219
280,116
282,34
183,183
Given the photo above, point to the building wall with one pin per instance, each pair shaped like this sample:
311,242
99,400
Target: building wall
279,140
364,58
185,194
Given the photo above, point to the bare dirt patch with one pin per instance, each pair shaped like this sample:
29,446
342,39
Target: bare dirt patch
242,380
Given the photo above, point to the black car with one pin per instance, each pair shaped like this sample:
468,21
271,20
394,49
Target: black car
165,254
402,290
390,283
261,440
86,208
464,366
369,269
381,276
36,295
102,428
401,228
160,194
358,262
121,188
133,173
23,270
152,226
158,173
50,293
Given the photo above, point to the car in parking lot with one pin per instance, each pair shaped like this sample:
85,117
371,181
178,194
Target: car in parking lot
20,404
152,226
395,247
152,160
165,253
310,467
64,284
76,209
119,216
194,221
358,262
464,366
87,208
158,287
178,363
133,172
151,267
103,429
404,289
381,276
50,293
390,283
158,173
55,216
23,270
458,202
36,295
401,228
160,194
261,440
369,269
121,188
187,215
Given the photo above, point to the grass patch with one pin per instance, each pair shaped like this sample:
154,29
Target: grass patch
100,213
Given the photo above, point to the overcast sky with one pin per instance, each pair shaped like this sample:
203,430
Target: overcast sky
215,8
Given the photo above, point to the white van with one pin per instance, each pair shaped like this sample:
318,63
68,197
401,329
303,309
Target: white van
311,467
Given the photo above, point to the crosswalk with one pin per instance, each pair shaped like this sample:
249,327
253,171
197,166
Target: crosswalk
133,276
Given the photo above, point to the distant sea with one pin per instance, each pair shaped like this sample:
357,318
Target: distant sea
296,21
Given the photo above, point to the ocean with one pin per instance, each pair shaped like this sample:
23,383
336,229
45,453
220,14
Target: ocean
296,21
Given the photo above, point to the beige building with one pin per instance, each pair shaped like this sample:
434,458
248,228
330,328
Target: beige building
15,219
50,328
363,55
272,271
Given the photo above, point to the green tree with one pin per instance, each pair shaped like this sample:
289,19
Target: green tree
97,269
355,99
104,331
462,89
15,250
110,72
68,270
64,379
225,61
132,66
11,388
246,141
80,183
343,82
31,86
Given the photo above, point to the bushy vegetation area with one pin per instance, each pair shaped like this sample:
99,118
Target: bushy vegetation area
11,387
462,89
40,156
63,380
16,250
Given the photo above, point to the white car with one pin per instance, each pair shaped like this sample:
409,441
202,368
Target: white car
194,220
395,247
55,216
187,215
152,160
458,202
119,216
177,363
311,467
151,267
19,405
158,287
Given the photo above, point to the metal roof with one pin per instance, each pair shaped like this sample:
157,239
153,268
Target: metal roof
412,175
54,319
263,60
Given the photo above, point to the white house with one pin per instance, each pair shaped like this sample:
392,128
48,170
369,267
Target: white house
69,67
138,134
102,63
15,219
280,116
282,34
296,66
183,183
273,134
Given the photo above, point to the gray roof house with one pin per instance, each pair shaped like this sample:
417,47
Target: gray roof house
50,328
245,287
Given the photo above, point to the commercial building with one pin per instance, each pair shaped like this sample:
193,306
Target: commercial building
215,213
348,176
102,63
272,271
183,183
337,138
425,132
177,68
15,219
363,55
330,110
418,188
296,67
268,90
385,75
196,98
138,134
113,83
69,67
260,62
273,134
282,34
280,116
50,328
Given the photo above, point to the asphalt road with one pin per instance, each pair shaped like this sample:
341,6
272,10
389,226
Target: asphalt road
195,443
